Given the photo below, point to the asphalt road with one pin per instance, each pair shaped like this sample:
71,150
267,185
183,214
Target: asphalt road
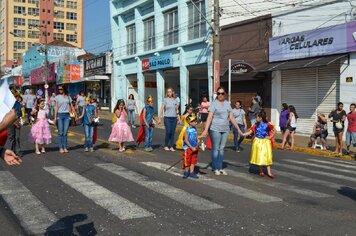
111,193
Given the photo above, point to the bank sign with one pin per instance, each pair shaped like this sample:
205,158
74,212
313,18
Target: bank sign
156,63
319,42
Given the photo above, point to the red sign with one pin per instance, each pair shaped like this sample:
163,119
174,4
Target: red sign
145,64
216,75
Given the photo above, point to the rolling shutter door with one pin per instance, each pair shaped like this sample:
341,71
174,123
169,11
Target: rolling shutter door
311,90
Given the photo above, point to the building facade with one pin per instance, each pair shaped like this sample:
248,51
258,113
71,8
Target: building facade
159,44
24,23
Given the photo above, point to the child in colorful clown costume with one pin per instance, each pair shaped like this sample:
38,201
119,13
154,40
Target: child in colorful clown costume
261,153
191,146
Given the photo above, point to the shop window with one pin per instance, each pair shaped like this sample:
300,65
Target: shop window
171,27
149,37
131,39
196,25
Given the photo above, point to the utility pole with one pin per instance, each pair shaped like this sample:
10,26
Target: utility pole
216,46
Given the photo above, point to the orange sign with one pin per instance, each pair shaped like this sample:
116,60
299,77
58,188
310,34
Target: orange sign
74,72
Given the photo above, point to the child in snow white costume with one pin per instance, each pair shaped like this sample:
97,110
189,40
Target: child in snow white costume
261,153
180,140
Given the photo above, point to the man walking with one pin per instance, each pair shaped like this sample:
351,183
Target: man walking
29,100
253,110
80,104
351,129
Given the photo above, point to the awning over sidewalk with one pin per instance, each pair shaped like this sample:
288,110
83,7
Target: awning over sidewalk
91,78
304,63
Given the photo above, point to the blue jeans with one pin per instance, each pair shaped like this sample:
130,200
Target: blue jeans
80,111
148,138
237,143
88,131
63,126
170,124
131,117
218,140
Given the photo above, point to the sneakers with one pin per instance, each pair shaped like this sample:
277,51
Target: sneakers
238,150
217,172
223,172
133,126
86,149
148,149
166,149
172,149
193,175
91,149
185,174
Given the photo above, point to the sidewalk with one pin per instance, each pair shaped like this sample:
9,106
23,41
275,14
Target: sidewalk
301,142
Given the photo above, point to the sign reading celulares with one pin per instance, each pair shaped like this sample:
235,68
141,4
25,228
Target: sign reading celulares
156,63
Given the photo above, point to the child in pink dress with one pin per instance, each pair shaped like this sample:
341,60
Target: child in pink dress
40,132
121,131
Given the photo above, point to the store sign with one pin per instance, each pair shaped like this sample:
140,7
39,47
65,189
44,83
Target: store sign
156,63
319,42
241,68
38,76
66,74
95,66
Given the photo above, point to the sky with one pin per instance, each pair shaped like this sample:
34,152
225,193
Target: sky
97,33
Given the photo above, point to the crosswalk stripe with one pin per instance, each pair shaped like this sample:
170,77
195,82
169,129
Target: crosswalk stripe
237,190
295,177
33,215
176,194
276,184
333,163
117,205
344,161
327,174
320,166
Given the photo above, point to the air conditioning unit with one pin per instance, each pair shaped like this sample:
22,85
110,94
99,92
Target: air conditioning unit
34,14
55,12
14,61
15,49
75,32
60,30
15,26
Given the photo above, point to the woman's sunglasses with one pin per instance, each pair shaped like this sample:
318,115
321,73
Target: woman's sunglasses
220,93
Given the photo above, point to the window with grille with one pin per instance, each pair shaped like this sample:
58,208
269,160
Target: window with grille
71,4
19,33
58,36
33,11
171,27
71,38
71,16
58,25
22,1
59,3
19,45
33,34
19,10
19,21
149,34
71,26
131,39
196,25
32,22
59,14
33,1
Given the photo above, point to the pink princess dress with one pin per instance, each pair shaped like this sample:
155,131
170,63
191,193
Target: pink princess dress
40,132
121,131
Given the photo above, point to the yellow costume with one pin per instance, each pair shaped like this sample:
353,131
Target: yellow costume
179,143
261,153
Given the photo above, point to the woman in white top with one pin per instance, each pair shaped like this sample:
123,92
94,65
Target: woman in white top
291,127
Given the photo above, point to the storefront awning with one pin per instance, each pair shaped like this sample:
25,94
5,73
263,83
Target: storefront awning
312,62
91,78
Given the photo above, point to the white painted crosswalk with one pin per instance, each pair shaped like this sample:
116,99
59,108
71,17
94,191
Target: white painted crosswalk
331,163
117,205
32,214
234,189
332,168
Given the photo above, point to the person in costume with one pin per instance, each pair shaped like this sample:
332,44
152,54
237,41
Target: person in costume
261,153
191,147
14,131
88,115
40,133
147,123
121,131
180,140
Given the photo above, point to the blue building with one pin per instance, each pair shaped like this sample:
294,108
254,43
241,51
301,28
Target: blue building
159,44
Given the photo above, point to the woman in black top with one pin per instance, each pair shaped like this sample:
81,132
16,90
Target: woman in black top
338,117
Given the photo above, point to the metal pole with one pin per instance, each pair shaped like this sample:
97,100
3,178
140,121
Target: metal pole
230,81
216,40
46,68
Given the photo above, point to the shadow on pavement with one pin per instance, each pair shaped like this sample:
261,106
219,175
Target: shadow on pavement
347,192
65,226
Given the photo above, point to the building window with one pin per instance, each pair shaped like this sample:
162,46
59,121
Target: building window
19,45
19,33
59,3
196,25
17,57
58,25
19,21
23,1
72,5
19,10
131,39
171,27
149,37
71,16
71,26
33,34
32,22
58,36
71,38
33,1
33,11
59,14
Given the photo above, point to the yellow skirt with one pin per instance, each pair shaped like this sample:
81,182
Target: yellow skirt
261,153
179,143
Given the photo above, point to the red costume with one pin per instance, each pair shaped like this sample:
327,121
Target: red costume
141,133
